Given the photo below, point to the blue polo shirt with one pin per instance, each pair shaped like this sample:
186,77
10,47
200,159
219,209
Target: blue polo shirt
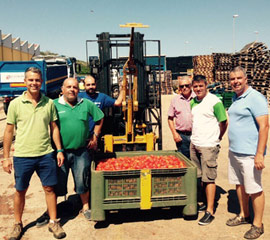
101,100
243,128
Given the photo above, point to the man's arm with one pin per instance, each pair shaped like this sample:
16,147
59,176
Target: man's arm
93,141
176,136
118,101
263,123
222,128
57,141
8,136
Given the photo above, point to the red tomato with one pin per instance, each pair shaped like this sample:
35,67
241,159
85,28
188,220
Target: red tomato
140,162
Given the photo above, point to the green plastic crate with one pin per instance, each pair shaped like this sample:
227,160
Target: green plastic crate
114,190
227,99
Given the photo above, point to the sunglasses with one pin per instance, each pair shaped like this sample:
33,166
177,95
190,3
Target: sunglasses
185,85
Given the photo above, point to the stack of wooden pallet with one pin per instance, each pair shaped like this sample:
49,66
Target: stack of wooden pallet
255,58
165,79
204,65
222,66
261,80
246,59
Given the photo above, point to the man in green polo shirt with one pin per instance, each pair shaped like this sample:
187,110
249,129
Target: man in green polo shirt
73,115
31,114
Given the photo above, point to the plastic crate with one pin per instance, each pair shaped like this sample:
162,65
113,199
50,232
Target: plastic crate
227,99
143,189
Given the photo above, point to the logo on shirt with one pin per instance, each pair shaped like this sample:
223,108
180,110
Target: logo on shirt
98,104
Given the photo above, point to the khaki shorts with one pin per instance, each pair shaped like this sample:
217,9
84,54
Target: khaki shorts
205,158
242,172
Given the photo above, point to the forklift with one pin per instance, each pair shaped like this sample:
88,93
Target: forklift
137,124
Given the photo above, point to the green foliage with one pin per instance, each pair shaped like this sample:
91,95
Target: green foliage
48,53
84,70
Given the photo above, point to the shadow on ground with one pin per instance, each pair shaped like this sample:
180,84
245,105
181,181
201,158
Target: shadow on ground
66,210
219,191
70,208
137,215
233,204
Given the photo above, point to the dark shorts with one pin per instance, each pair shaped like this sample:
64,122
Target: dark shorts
205,158
24,167
79,162
184,145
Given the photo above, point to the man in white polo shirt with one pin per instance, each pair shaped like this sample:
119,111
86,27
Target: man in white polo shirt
209,123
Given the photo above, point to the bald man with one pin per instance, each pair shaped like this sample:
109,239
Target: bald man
73,115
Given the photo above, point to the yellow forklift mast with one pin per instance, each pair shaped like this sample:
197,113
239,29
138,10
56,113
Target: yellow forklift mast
130,105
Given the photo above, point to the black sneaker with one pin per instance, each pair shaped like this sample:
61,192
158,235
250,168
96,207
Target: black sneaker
43,220
201,207
206,219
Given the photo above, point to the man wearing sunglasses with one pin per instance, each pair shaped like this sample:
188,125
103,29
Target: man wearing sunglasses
179,115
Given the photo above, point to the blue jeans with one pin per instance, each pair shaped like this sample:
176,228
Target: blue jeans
79,162
184,145
45,167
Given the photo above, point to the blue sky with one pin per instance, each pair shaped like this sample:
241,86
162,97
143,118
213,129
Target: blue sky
190,27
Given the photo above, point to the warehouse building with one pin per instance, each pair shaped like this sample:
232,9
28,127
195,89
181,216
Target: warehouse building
14,49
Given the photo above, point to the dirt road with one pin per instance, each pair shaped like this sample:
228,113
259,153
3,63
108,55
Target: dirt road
152,224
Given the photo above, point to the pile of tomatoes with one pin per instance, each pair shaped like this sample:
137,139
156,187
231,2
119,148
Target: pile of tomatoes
140,162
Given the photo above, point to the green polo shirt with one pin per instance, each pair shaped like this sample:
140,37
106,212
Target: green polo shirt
74,121
32,125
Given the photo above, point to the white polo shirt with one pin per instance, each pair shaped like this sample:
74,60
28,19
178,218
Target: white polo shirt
206,116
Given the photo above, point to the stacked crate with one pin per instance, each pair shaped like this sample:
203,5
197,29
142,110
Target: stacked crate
255,58
261,78
165,79
143,188
246,59
222,66
204,65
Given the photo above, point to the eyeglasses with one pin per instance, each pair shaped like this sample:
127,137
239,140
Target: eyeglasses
185,85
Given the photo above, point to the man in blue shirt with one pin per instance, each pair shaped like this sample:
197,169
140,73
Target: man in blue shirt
100,99
248,133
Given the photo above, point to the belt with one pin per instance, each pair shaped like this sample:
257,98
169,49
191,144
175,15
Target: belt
188,133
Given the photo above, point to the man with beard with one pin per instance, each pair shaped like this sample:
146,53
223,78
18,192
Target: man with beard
100,99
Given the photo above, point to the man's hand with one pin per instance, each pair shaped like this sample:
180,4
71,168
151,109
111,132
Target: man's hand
7,165
60,159
259,162
92,143
177,138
